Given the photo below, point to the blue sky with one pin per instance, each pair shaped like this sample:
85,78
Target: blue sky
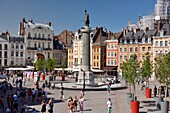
68,14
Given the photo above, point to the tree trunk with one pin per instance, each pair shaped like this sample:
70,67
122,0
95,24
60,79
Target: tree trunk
134,92
130,87
166,90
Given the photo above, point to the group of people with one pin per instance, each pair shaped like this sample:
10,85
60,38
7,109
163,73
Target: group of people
47,106
73,103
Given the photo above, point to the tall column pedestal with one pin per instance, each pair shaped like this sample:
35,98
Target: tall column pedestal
89,78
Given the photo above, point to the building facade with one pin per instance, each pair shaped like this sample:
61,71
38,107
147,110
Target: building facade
38,40
16,51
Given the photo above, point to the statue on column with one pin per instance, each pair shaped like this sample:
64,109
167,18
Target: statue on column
86,19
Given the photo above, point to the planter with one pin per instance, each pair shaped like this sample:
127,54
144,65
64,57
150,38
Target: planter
129,98
164,107
43,76
148,92
63,78
135,106
158,102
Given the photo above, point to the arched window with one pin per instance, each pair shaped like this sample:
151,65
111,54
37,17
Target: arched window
35,35
29,34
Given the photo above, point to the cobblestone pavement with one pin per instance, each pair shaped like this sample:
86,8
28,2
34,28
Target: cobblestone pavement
95,101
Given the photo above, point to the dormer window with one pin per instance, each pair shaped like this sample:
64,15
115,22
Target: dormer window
162,33
42,35
136,41
35,35
29,34
143,40
125,42
39,36
149,40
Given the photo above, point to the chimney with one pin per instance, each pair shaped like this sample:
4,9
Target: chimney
7,35
49,23
23,20
159,25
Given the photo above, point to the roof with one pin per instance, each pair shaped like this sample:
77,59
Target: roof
138,34
151,32
37,25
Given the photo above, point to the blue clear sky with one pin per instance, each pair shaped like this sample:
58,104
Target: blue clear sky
68,14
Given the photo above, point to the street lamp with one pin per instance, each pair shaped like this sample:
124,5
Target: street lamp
84,83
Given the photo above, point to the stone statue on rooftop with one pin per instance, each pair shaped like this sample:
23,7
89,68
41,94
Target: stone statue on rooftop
86,19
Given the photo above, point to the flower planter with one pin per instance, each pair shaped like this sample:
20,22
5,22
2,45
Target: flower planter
164,107
148,92
63,78
135,106
158,102
43,76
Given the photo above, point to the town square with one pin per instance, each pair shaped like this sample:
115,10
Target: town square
76,57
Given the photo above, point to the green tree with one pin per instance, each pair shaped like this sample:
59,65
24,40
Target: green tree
162,70
130,71
146,69
40,64
50,64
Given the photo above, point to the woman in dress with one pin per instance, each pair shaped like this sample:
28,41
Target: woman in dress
43,107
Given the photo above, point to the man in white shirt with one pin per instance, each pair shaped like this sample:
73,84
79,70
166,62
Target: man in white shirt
109,105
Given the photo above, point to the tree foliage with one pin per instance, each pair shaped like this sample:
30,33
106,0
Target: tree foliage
50,64
130,70
40,64
147,68
162,69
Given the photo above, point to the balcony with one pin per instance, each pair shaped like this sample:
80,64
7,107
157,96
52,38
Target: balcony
47,49
40,49
31,48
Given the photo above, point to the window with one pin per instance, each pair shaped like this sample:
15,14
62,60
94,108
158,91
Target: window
48,45
114,54
143,48
97,57
35,35
115,46
0,54
17,46
111,54
149,48
143,57
12,46
111,46
21,54
29,35
108,46
136,49
97,64
48,55
94,57
6,54
5,62
125,57
120,57
35,45
6,47
161,43
12,53
125,49
0,46
111,62
21,46
108,62
39,45
29,45
114,62
131,49
39,36
120,49
48,35
16,54
42,35
166,43
156,44
108,54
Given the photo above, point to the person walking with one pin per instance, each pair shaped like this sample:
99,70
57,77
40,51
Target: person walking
108,89
81,101
61,91
43,107
75,100
109,105
155,91
70,104
50,105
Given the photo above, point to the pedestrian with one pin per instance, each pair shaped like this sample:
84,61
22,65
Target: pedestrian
155,91
29,94
33,94
43,107
81,101
61,91
2,103
109,105
70,104
24,81
108,89
50,105
75,100
82,93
